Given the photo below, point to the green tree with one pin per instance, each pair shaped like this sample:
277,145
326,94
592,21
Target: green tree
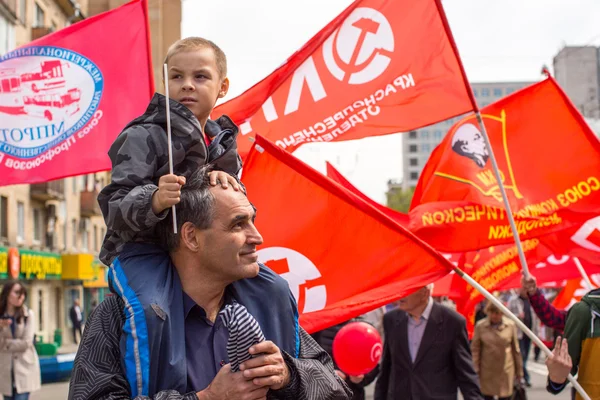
399,199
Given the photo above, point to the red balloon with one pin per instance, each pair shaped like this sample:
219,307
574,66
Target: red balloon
357,348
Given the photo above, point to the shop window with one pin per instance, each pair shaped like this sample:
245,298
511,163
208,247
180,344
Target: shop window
20,221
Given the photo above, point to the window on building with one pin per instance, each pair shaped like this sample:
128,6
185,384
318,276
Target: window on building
413,162
74,232
95,238
23,10
84,240
412,148
509,90
20,221
39,19
425,147
485,92
497,92
7,35
414,176
85,233
74,180
475,92
64,229
424,134
437,135
3,217
412,134
84,183
37,224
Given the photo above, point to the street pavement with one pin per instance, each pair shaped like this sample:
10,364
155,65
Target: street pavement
538,372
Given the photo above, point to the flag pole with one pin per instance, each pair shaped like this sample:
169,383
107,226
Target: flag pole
586,277
166,80
471,96
519,324
509,214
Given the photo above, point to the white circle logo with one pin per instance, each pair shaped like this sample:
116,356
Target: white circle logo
376,351
302,275
361,49
47,94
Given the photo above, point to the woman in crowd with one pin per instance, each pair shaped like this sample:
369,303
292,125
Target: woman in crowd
19,363
496,354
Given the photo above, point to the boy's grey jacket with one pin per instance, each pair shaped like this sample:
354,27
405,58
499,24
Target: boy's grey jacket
140,157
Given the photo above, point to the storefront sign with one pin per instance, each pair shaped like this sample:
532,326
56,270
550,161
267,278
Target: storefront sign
40,265
3,263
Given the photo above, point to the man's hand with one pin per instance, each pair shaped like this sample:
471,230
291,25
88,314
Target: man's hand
529,284
559,363
224,179
268,368
168,193
340,374
232,386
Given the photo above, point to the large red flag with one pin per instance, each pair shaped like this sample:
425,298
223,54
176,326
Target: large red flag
340,256
397,216
65,97
380,67
549,159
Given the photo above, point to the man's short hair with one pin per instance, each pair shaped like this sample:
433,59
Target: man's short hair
196,206
196,43
491,308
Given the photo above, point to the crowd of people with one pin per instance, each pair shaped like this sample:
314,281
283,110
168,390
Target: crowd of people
193,314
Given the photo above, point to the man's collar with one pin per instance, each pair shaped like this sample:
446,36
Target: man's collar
189,303
427,311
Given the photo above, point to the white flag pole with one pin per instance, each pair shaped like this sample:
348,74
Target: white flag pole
520,324
511,219
166,80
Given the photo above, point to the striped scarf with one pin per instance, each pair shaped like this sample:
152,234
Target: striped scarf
244,332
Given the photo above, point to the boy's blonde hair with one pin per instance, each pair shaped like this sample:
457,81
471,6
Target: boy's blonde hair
195,43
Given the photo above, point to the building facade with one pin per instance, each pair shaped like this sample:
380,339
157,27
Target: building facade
417,145
577,71
51,233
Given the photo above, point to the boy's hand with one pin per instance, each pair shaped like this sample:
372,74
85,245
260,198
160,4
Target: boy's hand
168,193
223,178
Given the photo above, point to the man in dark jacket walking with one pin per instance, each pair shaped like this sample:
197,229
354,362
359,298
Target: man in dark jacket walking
426,353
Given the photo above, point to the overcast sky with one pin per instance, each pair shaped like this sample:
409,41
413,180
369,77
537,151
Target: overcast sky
508,40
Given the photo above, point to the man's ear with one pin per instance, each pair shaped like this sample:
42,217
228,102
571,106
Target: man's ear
224,88
187,237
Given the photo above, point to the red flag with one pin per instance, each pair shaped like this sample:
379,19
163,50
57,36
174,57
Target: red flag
549,159
380,67
65,97
397,216
574,291
340,256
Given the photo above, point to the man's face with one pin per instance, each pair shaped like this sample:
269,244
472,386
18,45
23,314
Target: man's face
413,301
476,145
228,246
195,82
495,317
